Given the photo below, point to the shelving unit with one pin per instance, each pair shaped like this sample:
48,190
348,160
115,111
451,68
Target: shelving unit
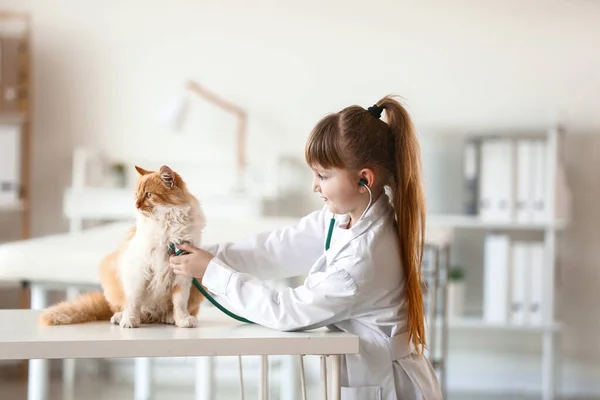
550,329
15,101
15,110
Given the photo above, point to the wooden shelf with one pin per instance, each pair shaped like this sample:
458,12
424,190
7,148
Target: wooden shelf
475,222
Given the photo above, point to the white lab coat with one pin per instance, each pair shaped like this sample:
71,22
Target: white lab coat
356,286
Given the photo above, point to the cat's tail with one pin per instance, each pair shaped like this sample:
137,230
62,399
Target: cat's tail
87,307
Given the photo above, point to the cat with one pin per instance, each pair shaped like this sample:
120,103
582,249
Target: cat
138,285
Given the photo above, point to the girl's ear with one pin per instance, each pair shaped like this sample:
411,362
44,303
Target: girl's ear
141,170
366,176
167,176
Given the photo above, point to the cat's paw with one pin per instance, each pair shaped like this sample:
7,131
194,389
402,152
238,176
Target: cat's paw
129,321
187,322
149,318
116,318
168,318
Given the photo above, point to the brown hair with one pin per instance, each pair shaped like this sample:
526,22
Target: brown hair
353,139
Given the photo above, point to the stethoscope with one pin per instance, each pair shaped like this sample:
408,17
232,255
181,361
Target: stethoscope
362,182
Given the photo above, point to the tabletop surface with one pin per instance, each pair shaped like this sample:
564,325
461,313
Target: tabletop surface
22,337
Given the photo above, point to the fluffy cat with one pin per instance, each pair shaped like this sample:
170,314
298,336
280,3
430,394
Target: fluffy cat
137,282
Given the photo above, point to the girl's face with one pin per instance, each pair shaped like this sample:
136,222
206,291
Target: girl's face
339,189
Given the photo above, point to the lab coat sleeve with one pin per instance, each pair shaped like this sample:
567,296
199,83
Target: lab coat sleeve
279,254
325,297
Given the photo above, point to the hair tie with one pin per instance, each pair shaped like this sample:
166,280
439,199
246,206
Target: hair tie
375,111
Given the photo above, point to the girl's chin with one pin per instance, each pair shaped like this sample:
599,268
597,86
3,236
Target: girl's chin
333,209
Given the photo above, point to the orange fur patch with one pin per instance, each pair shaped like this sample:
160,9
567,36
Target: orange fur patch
88,307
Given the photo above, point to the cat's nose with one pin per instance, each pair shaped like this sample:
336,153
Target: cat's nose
138,204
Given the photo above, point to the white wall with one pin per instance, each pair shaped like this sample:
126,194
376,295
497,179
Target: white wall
103,69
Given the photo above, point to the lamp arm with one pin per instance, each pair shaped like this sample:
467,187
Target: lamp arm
224,104
227,106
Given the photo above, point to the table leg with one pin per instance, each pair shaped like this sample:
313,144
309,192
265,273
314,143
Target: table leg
69,363
24,303
143,379
302,377
205,378
264,378
38,369
336,377
241,371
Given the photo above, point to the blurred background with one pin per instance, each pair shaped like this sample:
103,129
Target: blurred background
504,96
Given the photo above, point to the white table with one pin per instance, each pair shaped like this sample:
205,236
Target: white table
70,261
23,338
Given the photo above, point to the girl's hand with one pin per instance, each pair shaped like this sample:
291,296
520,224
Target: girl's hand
193,264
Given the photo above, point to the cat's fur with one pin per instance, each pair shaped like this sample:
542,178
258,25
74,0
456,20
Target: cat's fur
137,281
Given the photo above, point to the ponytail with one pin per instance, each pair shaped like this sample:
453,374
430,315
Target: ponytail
409,207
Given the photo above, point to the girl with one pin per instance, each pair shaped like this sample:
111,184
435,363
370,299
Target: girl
365,278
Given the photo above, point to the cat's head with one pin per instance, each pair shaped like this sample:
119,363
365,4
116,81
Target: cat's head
159,189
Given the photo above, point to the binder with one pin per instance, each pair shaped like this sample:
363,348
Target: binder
520,283
539,181
471,177
537,283
496,278
497,179
505,184
524,184
487,205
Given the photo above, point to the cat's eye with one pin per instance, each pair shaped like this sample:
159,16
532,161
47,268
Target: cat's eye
148,194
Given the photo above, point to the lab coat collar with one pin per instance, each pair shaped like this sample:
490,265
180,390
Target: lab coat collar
342,236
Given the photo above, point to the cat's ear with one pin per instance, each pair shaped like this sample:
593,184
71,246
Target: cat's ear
141,170
167,176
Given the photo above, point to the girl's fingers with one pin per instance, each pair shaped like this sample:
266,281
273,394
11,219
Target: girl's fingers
175,260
